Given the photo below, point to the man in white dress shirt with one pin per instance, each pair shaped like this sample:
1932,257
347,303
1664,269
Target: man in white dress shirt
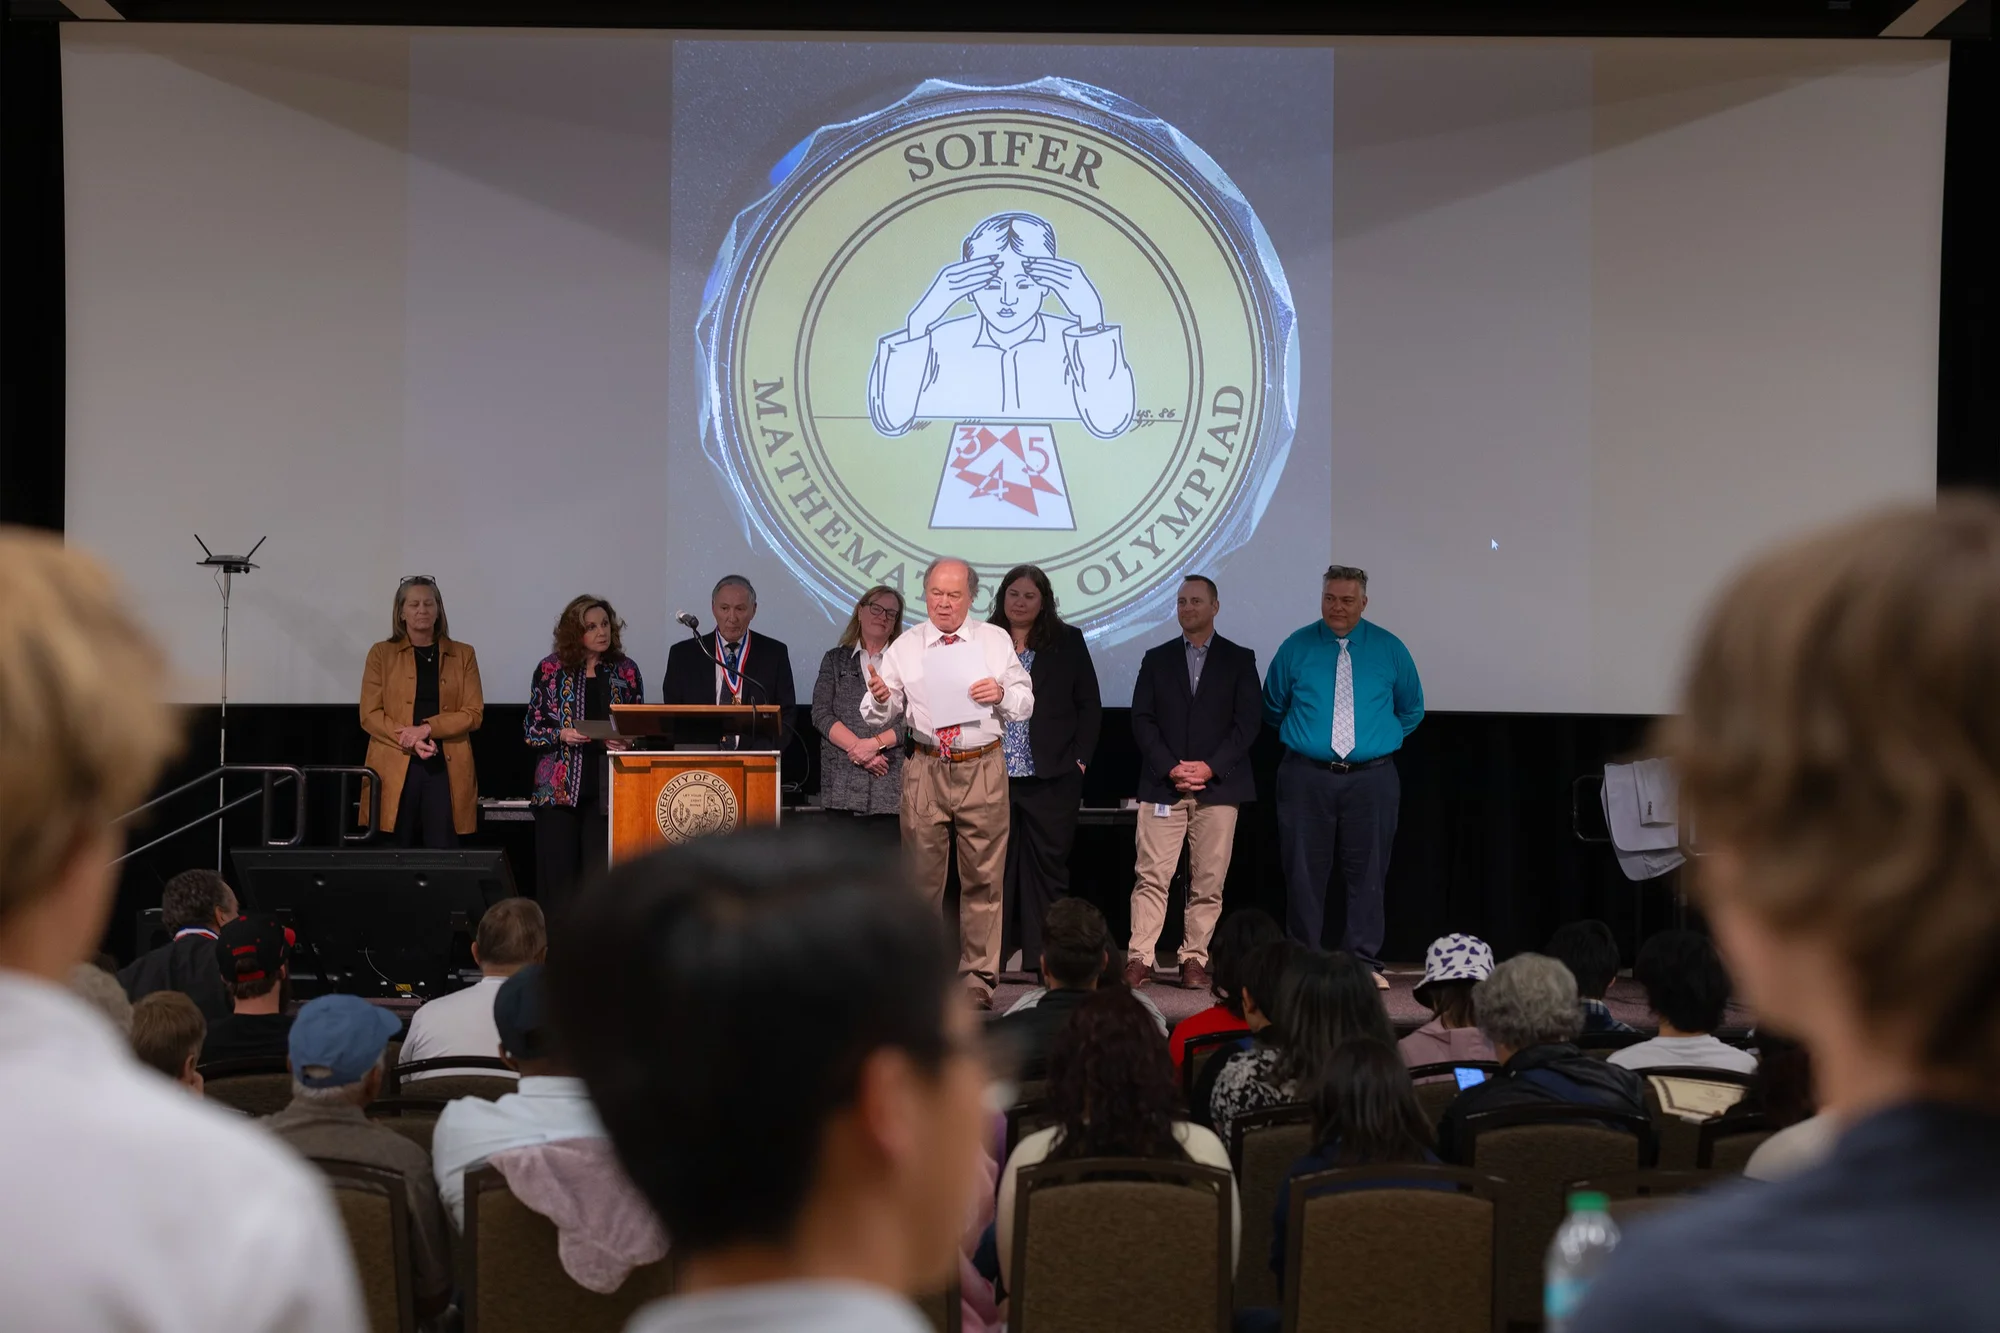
512,934
552,1105
129,1204
955,784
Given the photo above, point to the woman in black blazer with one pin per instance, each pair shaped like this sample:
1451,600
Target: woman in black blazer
1046,756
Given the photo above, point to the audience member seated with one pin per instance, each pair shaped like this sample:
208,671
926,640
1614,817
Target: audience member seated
1111,1088
1782,1094
194,907
254,956
1263,974
551,1106
1113,975
1324,1000
1528,1010
167,1032
1240,932
1075,946
511,935
1590,951
809,1136
1838,746
1365,1113
1687,989
1452,967
100,990
339,1055
129,1205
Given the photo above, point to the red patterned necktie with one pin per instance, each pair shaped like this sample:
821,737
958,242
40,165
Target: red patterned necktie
947,736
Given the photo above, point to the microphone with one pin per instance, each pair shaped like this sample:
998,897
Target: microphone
693,625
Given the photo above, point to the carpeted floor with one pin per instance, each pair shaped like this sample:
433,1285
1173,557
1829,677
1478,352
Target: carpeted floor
1627,1000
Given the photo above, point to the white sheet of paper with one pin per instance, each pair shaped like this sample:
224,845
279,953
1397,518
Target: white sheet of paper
949,671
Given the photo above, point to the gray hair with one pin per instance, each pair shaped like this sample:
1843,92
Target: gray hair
341,1094
733,581
1346,574
1530,999
104,993
971,574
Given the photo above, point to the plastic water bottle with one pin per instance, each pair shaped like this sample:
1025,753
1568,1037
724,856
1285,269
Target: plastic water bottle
1582,1246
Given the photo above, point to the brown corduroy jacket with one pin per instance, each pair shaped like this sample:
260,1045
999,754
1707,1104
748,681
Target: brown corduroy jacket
389,696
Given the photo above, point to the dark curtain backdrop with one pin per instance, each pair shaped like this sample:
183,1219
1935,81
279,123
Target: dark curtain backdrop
1485,842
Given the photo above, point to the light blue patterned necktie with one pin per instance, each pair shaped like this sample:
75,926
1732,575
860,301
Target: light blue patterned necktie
1343,704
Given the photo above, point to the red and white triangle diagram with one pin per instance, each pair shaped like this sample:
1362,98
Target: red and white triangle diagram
1002,476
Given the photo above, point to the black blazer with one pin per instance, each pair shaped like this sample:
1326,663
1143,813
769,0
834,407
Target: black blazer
767,675
1215,726
1068,712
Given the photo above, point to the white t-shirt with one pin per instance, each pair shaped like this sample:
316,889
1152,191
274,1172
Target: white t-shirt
129,1204
783,1307
460,1023
1704,1052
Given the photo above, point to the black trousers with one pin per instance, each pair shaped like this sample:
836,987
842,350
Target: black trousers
423,815
570,846
1042,829
1328,819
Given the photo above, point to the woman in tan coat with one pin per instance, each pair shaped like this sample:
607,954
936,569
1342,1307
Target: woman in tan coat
420,704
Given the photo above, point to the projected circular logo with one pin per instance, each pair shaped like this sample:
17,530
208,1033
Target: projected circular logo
694,805
1022,324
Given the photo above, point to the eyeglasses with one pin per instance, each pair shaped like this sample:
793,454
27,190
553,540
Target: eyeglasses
877,609
408,579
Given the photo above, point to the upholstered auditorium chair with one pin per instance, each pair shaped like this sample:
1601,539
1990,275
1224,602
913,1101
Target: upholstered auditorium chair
511,1280
1263,1146
1631,1195
449,1087
1671,1090
375,1209
1120,1243
1538,1151
1437,1084
259,1086
1726,1143
1393,1249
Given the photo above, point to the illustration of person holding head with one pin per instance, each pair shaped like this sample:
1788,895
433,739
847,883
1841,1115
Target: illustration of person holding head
1007,361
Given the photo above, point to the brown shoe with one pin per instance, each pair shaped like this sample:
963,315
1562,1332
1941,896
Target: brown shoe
1137,974
1194,977
979,997
1381,982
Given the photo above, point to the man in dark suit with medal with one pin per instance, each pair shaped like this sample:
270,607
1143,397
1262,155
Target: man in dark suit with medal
730,665
1196,709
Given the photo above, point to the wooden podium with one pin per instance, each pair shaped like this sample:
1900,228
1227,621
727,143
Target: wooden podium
707,768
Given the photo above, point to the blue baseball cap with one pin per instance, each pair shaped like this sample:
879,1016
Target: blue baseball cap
337,1039
519,1014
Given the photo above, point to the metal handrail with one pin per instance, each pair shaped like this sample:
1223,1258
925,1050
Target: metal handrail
272,774
373,780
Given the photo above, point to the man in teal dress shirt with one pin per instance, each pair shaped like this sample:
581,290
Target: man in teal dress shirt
1343,693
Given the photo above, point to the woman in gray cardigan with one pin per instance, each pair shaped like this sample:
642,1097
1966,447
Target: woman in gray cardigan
861,769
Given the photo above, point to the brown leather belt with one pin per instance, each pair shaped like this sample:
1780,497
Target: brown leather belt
961,756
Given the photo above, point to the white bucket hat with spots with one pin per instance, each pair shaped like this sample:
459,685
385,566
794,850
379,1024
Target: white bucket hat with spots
1456,958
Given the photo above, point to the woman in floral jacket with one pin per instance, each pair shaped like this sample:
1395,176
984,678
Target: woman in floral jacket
578,682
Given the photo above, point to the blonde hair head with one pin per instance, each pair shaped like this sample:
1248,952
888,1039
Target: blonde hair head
86,731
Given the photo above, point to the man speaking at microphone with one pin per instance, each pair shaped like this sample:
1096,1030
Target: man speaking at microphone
956,781
731,665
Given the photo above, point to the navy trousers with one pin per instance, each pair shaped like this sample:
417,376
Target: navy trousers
1329,820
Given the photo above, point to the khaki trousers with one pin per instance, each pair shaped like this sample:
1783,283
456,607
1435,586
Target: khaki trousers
967,800
1210,834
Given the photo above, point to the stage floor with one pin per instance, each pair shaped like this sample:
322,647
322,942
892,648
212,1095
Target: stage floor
1626,999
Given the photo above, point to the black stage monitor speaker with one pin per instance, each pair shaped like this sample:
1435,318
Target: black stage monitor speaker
375,921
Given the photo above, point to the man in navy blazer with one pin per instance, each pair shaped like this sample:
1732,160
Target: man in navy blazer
747,668
1196,708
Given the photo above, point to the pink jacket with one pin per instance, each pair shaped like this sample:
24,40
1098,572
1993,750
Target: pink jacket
1434,1043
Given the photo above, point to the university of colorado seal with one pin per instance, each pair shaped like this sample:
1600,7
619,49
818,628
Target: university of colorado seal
1031,323
694,805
